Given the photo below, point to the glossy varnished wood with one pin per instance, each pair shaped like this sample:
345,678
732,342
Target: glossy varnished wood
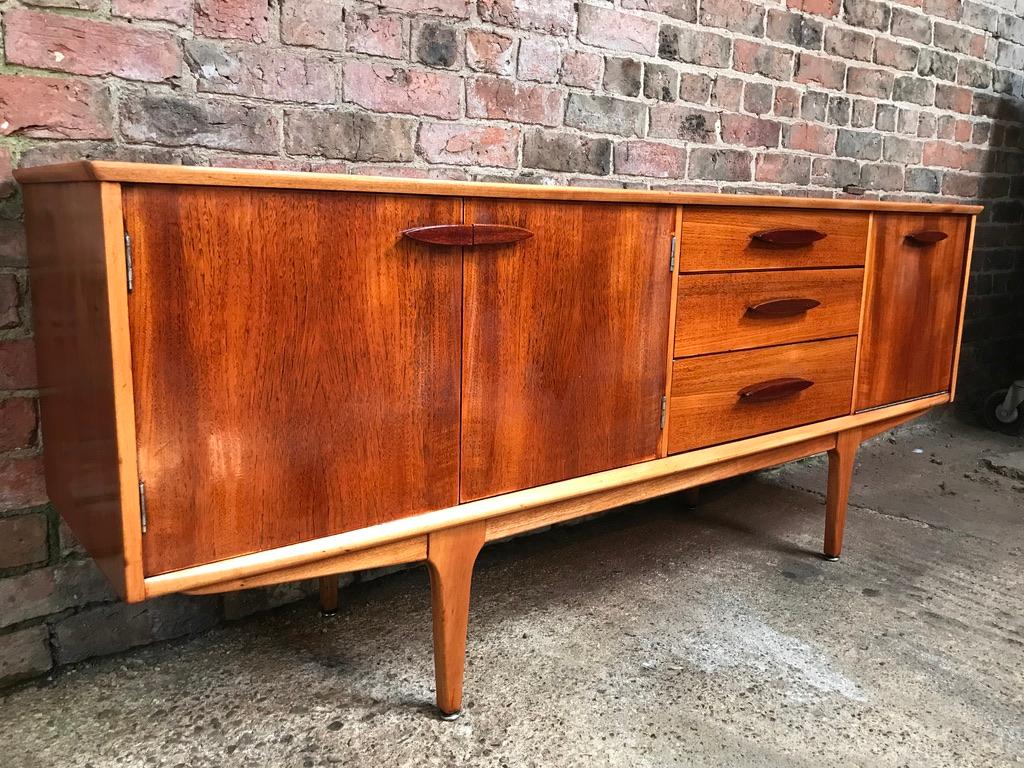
77,271
706,406
564,343
840,477
717,239
149,173
913,308
291,383
714,310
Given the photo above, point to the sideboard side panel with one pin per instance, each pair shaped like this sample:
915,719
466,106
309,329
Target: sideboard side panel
79,297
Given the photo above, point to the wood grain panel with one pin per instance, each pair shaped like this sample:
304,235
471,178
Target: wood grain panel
911,316
706,409
564,342
718,239
713,310
296,364
77,272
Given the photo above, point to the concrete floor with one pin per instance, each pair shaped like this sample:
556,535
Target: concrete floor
653,636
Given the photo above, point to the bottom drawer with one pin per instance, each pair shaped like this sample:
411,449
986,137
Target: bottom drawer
717,398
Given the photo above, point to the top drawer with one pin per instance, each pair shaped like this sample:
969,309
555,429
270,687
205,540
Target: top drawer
720,238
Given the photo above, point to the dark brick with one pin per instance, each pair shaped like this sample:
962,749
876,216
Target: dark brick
849,44
814,106
911,25
838,110
899,150
863,114
347,135
694,87
739,16
914,89
795,29
684,10
887,178
671,121
622,76
720,164
661,82
604,114
693,46
867,13
860,145
889,53
937,64
568,152
836,173
437,45
974,74
758,98
24,654
23,540
885,117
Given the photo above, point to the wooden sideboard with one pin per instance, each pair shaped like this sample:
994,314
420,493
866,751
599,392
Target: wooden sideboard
255,377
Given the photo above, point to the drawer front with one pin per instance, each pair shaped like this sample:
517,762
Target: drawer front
741,310
706,407
720,238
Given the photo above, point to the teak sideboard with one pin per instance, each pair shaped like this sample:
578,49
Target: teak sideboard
253,377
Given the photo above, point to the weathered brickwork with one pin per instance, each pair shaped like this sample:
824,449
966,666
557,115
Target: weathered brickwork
918,100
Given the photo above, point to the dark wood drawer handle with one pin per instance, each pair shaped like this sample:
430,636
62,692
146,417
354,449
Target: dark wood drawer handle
467,234
789,237
927,236
773,389
782,307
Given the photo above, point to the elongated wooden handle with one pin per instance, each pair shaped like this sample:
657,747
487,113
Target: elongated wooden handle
927,236
467,234
789,237
782,307
773,389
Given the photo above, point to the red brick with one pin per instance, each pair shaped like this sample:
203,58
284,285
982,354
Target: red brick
284,74
608,28
499,99
17,423
551,16
581,69
86,47
782,168
750,131
469,145
376,35
810,137
787,102
727,93
539,60
818,7
174,11
646,158
954,98
17,364
389,89
317,23
676,121
960,185
241,19
456,8
866,81
818,69
943,154
22,540
21,483
768,60
490,52
963,130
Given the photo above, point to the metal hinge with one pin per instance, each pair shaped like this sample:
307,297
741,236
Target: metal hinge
672,255
128,261
664,410
142,506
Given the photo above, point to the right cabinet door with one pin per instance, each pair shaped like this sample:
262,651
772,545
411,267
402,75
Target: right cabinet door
912,307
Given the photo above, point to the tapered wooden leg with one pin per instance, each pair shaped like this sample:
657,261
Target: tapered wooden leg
329,594
450,557
691,497
840,476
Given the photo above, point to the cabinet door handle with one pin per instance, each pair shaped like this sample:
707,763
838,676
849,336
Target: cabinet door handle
782,307
773,389
467,234
788,237
927,236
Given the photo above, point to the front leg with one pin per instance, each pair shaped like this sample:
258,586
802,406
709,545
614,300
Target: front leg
840,476
450,557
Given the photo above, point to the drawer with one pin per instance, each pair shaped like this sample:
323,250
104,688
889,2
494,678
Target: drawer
707,407
720,238
718,312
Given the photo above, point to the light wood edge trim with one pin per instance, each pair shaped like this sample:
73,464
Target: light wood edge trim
520,522
124,393
518,501
955,373
670,352
865,297
409,551
150,173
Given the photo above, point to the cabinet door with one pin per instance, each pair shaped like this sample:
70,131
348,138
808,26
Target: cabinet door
565,342
913,306
296,365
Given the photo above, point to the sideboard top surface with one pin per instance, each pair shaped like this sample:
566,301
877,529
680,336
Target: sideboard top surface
150,173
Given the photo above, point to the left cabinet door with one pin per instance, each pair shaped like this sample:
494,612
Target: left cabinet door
296,365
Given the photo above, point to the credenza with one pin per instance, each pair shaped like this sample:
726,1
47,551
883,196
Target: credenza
253,377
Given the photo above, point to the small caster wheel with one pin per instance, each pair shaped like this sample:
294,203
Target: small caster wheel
998,419
453,716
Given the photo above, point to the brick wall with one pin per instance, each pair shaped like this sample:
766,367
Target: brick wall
914,100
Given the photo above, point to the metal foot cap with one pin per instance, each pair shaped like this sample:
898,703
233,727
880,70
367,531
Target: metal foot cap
830,558
453,716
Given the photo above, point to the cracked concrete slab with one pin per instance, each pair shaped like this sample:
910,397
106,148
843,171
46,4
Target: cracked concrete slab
652,636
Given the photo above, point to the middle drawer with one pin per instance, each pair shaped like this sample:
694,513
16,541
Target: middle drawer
719,312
